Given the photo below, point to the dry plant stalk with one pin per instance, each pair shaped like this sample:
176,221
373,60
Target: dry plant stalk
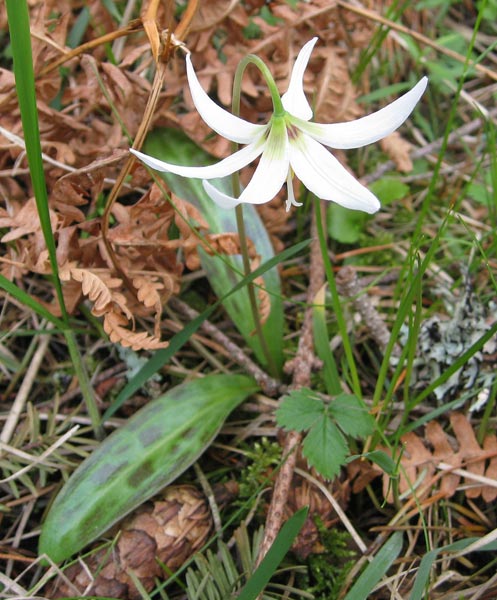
301,366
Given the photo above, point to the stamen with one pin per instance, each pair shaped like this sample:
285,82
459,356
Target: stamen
291,201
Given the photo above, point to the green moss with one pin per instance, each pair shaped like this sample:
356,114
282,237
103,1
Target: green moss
327,571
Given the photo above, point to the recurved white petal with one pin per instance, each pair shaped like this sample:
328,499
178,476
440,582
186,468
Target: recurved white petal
220,198
324,176
369,129
223,122
228,165
294,100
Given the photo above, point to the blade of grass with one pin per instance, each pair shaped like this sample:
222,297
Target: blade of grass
322,343
394,12
377,568
431,193
337,308
421,581
404,309
274,556
18,19
24,298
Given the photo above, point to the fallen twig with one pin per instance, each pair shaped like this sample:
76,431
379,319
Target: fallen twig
301,366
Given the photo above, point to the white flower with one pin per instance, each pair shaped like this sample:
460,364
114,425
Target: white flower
290,144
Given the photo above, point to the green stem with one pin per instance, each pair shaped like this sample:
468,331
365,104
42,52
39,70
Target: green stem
84,384
240,223
235,182
278,110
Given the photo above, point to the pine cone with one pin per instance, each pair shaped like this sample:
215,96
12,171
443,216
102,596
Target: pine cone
167,531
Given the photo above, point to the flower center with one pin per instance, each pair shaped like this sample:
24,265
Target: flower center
292,130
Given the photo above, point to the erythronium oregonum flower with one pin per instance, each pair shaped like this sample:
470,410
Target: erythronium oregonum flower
290,144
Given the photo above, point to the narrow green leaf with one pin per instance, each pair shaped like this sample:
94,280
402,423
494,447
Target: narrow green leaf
381,458
325,448
275,555
377,568
423,574
79,28
136,461
27,300
322,343
350,366
20,37
161,357
9,361
352,416
18,18
299,410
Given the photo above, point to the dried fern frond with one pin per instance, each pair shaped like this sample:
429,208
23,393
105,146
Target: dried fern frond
439,464
115,326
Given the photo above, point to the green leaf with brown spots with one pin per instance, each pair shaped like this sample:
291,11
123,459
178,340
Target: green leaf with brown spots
136,461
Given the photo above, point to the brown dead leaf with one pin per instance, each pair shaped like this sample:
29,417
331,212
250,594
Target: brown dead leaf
469,450
335,93
489,493
422,456
25,221
415,469
210,13
443,452
398,149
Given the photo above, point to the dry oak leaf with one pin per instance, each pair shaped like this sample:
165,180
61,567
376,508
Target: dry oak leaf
76,189
335,100
210,13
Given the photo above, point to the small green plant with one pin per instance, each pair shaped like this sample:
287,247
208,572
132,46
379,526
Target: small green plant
327,424
328,570
265,456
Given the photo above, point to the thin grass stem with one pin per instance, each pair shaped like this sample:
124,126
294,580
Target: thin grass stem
18,18
337,308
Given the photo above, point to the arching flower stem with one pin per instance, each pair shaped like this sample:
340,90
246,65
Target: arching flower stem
235,183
